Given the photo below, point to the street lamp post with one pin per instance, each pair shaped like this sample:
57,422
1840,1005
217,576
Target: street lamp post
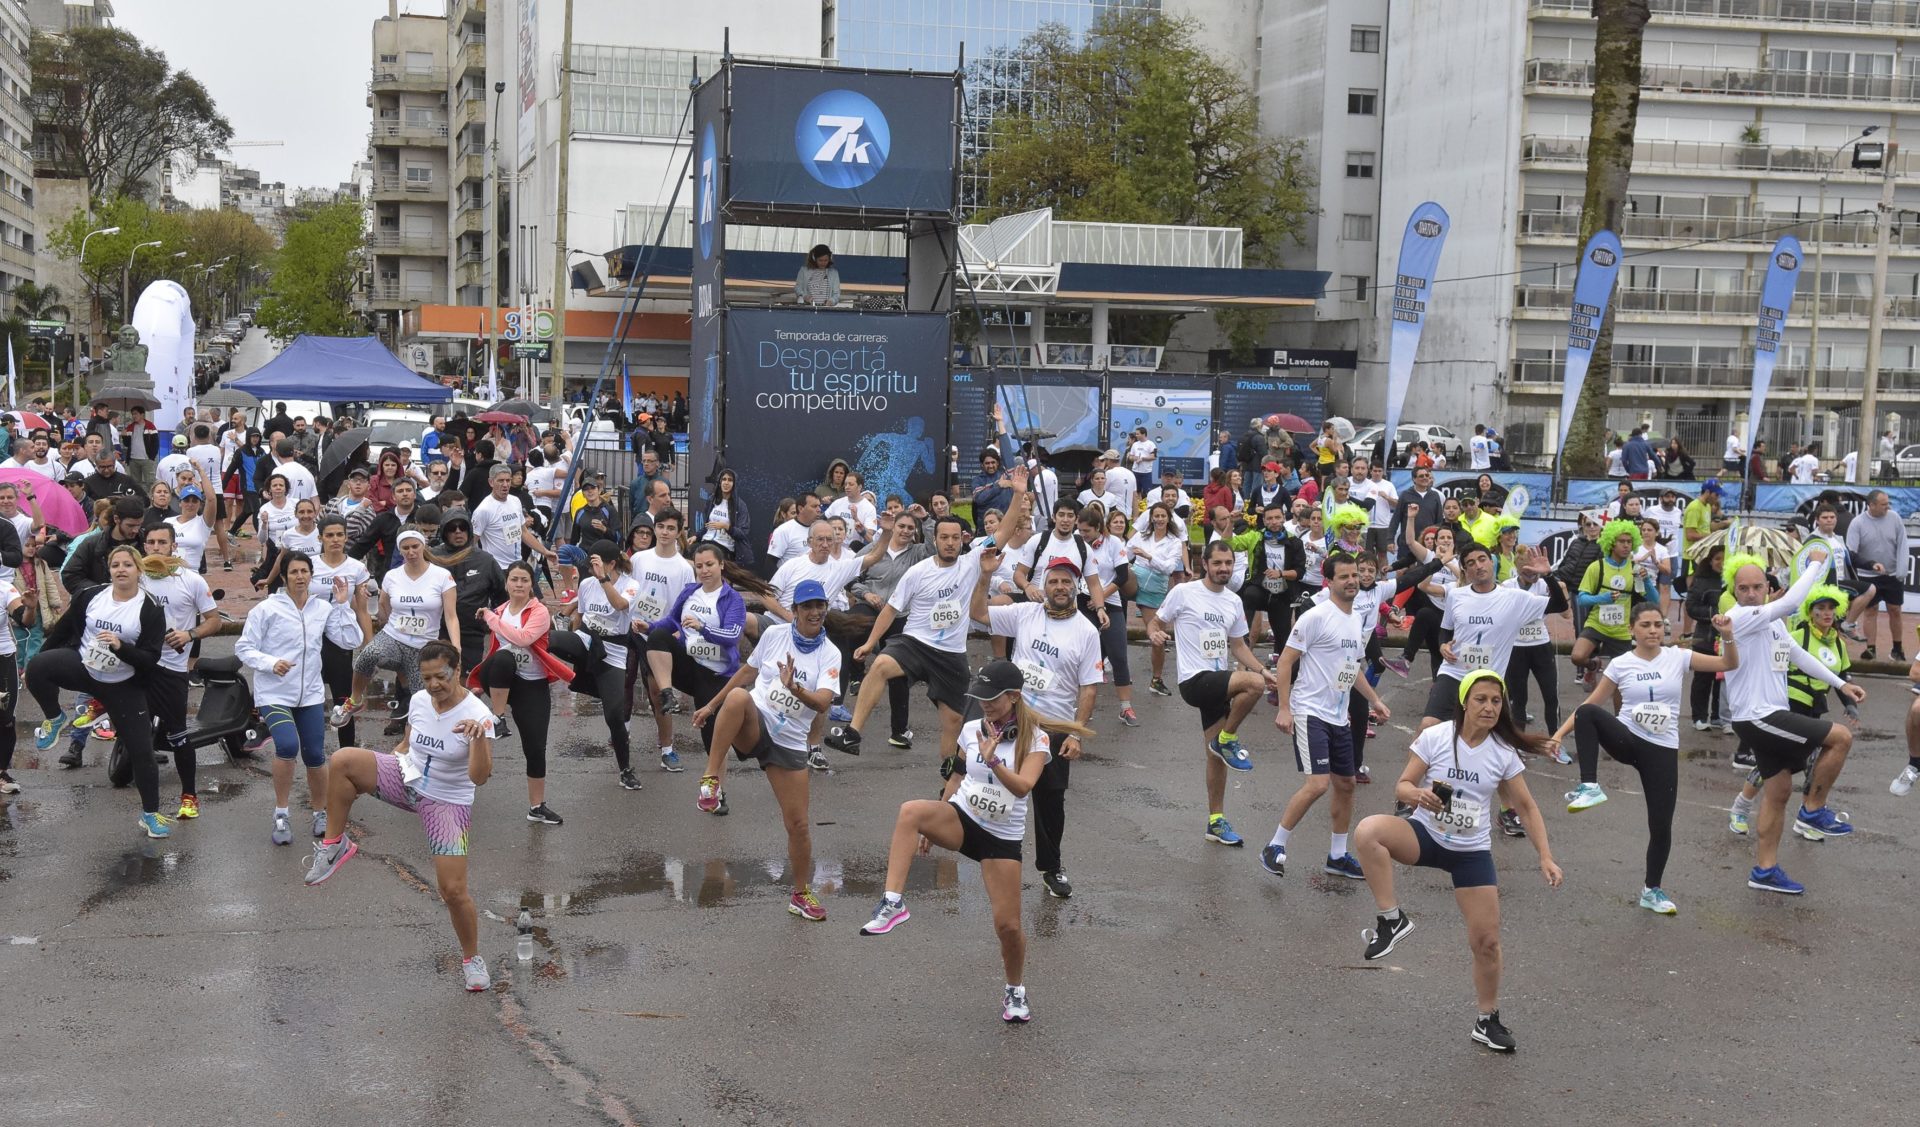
93,310
1819,260
126,281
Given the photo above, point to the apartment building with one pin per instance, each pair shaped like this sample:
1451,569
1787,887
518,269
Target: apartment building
408,145
18,240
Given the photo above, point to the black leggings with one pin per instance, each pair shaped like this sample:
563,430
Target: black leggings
336,669
1278,606
593,677
126,701
1424,633
532,705
167,697
1594,728
1048,804
899,690
1113,645
9,694
1537,660
1704,695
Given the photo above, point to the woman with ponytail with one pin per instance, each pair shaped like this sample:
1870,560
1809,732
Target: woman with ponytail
515,674
191,615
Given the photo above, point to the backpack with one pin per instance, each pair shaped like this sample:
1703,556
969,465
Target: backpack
1033,564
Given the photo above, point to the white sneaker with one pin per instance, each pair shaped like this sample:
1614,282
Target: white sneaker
475,970
1903,782
1013,1008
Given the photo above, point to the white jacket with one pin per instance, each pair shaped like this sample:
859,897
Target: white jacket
278,631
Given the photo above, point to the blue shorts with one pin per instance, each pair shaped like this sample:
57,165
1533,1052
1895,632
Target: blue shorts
1320,748
1470,870
573,555
298,732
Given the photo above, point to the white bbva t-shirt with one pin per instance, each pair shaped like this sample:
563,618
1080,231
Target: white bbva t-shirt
599,619
1650,692
120,618
785,716
1332,648
413,605
436,754
981,796
1475,774
1204,624
183,598
1057,656
935,600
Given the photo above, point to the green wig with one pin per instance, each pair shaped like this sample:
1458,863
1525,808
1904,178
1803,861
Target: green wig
1345,515
1733,565
1824,593
1614,530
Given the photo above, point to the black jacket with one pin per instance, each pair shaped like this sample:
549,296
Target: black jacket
1581,552
99,486
143,654
478,582
375,544
1426,515
86,565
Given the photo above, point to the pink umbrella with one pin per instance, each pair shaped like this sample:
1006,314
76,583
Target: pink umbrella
56,504
30,421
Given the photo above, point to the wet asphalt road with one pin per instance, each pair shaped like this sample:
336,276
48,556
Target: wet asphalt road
196,979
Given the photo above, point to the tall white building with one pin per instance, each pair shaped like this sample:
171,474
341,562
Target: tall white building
1746,105
17,236
411,111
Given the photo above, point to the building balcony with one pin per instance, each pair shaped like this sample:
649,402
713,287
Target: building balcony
469,59
391,79
391,187
470,273
393,295
410,244
472,111
1740,234
1727,83
471,221
1696,380
468,11
469,166
1878,17
1736,306
409,133
1693,158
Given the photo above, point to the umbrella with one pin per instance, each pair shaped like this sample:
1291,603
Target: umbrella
1291,423
526,408
342,447
29,421
1342,429
1770,544
504,418
56,504
127,398
226,398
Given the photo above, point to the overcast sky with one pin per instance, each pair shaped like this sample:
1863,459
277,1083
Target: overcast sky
280,70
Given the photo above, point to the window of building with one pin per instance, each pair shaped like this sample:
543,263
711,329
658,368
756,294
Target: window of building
1365,40
1363,102
419,174
1359,166
1355,286
1357,228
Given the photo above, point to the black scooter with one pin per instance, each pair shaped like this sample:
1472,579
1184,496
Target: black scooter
226,717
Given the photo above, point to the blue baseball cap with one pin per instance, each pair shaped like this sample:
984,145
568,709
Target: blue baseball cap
191,491
809,591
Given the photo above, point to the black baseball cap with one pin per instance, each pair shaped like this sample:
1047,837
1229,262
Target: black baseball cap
996,678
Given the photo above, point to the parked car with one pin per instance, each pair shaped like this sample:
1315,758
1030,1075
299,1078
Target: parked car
1906,464
392,427
1409,433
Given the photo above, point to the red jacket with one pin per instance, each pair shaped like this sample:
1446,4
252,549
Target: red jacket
531,634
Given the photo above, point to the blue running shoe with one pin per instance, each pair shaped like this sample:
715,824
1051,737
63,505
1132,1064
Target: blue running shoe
1345,865
1814,825
1218,830
156,825
1230,752
1273,859
48,733
839,714
1774,880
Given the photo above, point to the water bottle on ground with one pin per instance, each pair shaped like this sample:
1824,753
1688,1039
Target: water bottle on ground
523,946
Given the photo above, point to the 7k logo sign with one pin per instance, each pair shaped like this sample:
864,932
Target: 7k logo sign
842,139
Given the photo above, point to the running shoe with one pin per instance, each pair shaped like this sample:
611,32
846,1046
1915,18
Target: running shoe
1737,821
7,785
1057,884
475,972
1744,761
710,800
569,598
1774,879
1402,810
1815,825
1014,1009
72,758
1385,935
282,830
1562,756
1867,654
156,824
670,761
629,780
1363,774
89,715
1345,865
1230,752
1401,666
889,915
1129,717
1489,1032
328,857
189,808
817,759
839,714
49,731
1373,733
262,739
901,740
1897,654
345,711
1903,782
194,680
1657,901
1724,727
1586,796
844,738
1701,725
501,729
669,701
103,730
1510,824
806,905
1218,830
319,821
1159,688
1274,859
543,814
1852,630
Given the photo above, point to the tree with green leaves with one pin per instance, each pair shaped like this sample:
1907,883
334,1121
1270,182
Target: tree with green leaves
1619,29
228,244
314,273
118,108
34,302
1137,123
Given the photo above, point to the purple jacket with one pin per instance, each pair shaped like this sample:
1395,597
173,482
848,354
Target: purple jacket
733,620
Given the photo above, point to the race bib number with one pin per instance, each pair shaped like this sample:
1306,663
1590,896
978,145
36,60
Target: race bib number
1613,614
1038,677
1274,585
522,658
699,648
945,616
1213,645
648,609
412,625
1463,819
1348,674
1476,657
786,703
411,774
1532,634
1781,658
990,802
1652,717
99,657
606,625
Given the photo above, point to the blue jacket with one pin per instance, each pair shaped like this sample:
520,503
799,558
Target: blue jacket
988,493
1636,457
733,621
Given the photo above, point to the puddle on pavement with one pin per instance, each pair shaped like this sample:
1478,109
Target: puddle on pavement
133,870
223,789
716,882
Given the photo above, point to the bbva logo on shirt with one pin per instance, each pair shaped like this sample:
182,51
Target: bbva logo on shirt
842,139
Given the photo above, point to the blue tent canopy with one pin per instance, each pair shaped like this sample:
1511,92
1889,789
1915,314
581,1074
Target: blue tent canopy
340,370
